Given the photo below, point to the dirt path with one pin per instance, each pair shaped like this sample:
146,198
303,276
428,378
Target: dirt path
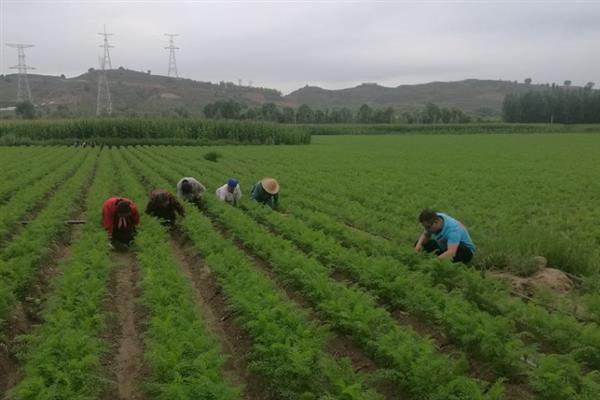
126,362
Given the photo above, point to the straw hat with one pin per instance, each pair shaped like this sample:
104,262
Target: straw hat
270,185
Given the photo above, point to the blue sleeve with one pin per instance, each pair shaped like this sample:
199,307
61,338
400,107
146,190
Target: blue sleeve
453,237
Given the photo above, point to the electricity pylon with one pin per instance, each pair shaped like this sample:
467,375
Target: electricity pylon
23,89
104,103
172,61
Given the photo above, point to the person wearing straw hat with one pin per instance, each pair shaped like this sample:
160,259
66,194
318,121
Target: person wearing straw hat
266,191
230,192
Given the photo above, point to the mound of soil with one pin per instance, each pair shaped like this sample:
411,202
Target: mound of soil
552,278
549,278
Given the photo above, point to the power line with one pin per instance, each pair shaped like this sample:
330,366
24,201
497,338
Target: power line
23,88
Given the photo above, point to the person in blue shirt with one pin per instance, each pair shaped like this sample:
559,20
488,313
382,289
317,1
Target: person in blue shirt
445,236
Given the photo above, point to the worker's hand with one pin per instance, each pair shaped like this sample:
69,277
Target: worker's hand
418,248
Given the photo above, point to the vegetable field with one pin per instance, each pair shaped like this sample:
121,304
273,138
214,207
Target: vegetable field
324,298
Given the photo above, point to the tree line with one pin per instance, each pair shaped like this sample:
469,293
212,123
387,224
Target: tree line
554,104
365,114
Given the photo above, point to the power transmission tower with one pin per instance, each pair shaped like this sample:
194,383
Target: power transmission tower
106,47
104,103
172,61
23,89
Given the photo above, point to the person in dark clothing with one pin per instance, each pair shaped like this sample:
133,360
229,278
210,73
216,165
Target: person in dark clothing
165,206
445,236
266,191
120,217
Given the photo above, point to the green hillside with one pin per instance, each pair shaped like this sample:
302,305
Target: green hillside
142,94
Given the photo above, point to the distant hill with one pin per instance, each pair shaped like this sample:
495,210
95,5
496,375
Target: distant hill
132,92
470,95
140,93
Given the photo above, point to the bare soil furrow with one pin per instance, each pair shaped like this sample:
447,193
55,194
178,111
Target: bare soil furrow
126,324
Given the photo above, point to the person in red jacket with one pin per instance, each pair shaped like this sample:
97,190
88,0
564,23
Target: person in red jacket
120,217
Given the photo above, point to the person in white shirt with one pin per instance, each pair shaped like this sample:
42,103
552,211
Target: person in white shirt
230,192
190,189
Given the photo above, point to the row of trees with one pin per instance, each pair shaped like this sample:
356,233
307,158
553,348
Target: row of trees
567,105
365,114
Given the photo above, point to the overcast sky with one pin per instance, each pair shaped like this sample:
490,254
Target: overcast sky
286,45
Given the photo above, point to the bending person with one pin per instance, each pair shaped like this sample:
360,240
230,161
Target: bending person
230,192
119,218
266,191
165,206
190,189
445,236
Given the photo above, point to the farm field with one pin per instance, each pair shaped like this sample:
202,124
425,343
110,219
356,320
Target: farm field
322,299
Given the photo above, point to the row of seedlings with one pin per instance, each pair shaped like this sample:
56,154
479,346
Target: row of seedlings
287,347
493,339
184,358
20,259
15,160
413,361
62,357
34,170
488,337
29,196
564,333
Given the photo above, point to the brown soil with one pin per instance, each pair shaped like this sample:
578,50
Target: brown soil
126,316
549,278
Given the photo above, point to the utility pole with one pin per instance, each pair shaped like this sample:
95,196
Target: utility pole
172,61
23,89
104,103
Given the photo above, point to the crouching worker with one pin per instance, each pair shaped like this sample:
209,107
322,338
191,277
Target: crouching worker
230,192
119,218
165,206
266,191
445,236
190,189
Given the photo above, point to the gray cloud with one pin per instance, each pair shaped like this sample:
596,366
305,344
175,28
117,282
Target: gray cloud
332,44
